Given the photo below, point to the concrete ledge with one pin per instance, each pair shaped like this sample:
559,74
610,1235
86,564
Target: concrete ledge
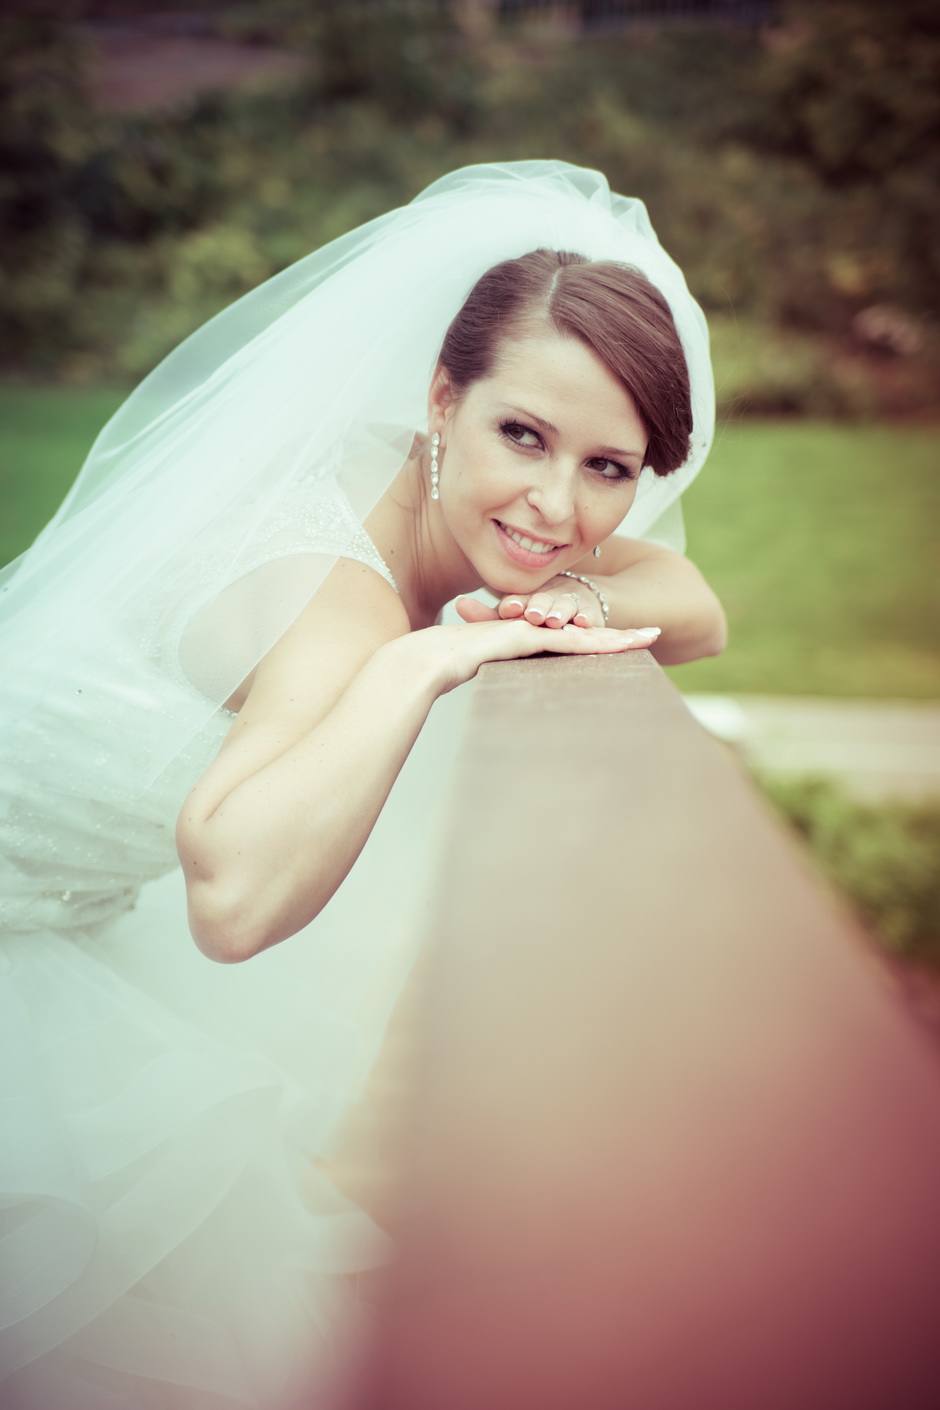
674,1141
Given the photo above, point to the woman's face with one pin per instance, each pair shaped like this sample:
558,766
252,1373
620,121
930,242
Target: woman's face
539,461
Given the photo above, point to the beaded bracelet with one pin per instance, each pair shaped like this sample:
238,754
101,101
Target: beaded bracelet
594,588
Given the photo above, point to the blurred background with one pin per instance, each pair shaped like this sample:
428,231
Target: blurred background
156,162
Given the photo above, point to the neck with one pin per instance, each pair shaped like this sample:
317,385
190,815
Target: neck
409,531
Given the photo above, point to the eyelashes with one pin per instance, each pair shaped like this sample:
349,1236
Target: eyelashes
520,436
516,432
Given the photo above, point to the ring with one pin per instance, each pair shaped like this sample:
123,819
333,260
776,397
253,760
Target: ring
574,595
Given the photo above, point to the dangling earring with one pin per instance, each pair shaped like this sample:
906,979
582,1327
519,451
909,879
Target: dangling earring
597,550
435,466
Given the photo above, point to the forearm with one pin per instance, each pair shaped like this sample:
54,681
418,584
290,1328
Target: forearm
666,591
272,828
264,860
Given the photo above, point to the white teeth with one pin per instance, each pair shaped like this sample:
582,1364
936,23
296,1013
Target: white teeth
530,545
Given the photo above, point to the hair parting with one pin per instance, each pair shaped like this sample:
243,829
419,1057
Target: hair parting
610,307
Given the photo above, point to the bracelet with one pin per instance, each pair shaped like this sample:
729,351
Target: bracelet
594,588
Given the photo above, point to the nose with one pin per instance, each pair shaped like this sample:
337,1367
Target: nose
552,495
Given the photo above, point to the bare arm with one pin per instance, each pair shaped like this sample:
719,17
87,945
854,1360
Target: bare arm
647,585
272,828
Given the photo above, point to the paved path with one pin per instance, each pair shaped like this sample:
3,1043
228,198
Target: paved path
876,749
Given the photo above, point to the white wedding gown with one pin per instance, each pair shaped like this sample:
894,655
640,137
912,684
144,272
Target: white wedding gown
167,1240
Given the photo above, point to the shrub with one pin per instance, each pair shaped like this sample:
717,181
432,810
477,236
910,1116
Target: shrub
884,857
791,172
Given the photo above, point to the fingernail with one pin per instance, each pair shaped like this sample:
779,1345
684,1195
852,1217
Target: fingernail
553,617
513,602
648,632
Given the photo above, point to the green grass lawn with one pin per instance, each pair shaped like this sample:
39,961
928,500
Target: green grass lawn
819,538
45,434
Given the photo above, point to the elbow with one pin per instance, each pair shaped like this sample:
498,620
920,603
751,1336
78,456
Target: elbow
236,910
220,925
712,634
232,920
716,638
709,638
712,637
219,912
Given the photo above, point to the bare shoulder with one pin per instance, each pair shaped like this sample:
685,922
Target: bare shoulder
353,613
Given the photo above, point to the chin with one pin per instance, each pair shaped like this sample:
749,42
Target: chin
505,584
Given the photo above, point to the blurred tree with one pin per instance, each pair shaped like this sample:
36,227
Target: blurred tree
46,136
852,88
791,168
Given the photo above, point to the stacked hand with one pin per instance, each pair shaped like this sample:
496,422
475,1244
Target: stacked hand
561,602
515,627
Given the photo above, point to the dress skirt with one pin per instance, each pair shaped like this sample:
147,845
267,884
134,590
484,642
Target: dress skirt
169,1241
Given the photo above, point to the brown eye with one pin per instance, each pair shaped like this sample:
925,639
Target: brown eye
611,470
520,435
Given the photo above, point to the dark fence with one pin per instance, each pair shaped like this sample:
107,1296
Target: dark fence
618,14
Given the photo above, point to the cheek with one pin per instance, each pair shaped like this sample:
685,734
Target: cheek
481,478
606,509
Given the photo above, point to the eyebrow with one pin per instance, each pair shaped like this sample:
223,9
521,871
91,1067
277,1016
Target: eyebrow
551,430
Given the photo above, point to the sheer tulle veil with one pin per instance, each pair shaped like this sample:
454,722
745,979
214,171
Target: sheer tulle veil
177,550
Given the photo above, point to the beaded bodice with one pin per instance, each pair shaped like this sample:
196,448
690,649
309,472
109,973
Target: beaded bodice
82,825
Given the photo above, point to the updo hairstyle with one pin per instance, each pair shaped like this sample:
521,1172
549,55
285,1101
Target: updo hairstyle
610,307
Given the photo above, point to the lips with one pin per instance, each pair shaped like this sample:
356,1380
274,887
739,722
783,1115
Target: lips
523,548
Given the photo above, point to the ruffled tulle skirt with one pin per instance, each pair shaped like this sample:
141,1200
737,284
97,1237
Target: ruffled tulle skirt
169,1240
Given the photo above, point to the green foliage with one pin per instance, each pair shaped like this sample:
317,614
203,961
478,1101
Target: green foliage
851,93
854,88
768,370
387,55
792,172
45,135
884,857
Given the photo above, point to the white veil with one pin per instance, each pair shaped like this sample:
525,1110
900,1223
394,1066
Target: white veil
182,552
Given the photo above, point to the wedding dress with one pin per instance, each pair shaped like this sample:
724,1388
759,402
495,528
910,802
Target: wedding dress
163,1115
168,1239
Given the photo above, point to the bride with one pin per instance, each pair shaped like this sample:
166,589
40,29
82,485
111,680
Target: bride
223,651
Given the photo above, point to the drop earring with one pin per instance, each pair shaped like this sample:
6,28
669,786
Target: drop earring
435,465
597,550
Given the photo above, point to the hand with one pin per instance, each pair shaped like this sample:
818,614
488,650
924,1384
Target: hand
557,603
454,654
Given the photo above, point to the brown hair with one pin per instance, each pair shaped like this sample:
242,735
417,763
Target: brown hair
612,308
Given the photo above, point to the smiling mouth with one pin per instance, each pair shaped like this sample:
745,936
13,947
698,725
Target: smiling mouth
530,545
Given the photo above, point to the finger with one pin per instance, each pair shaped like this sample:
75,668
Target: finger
586,618
563,609
472,610
523,638
578,641
511,607
638,637
606,639
538,607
